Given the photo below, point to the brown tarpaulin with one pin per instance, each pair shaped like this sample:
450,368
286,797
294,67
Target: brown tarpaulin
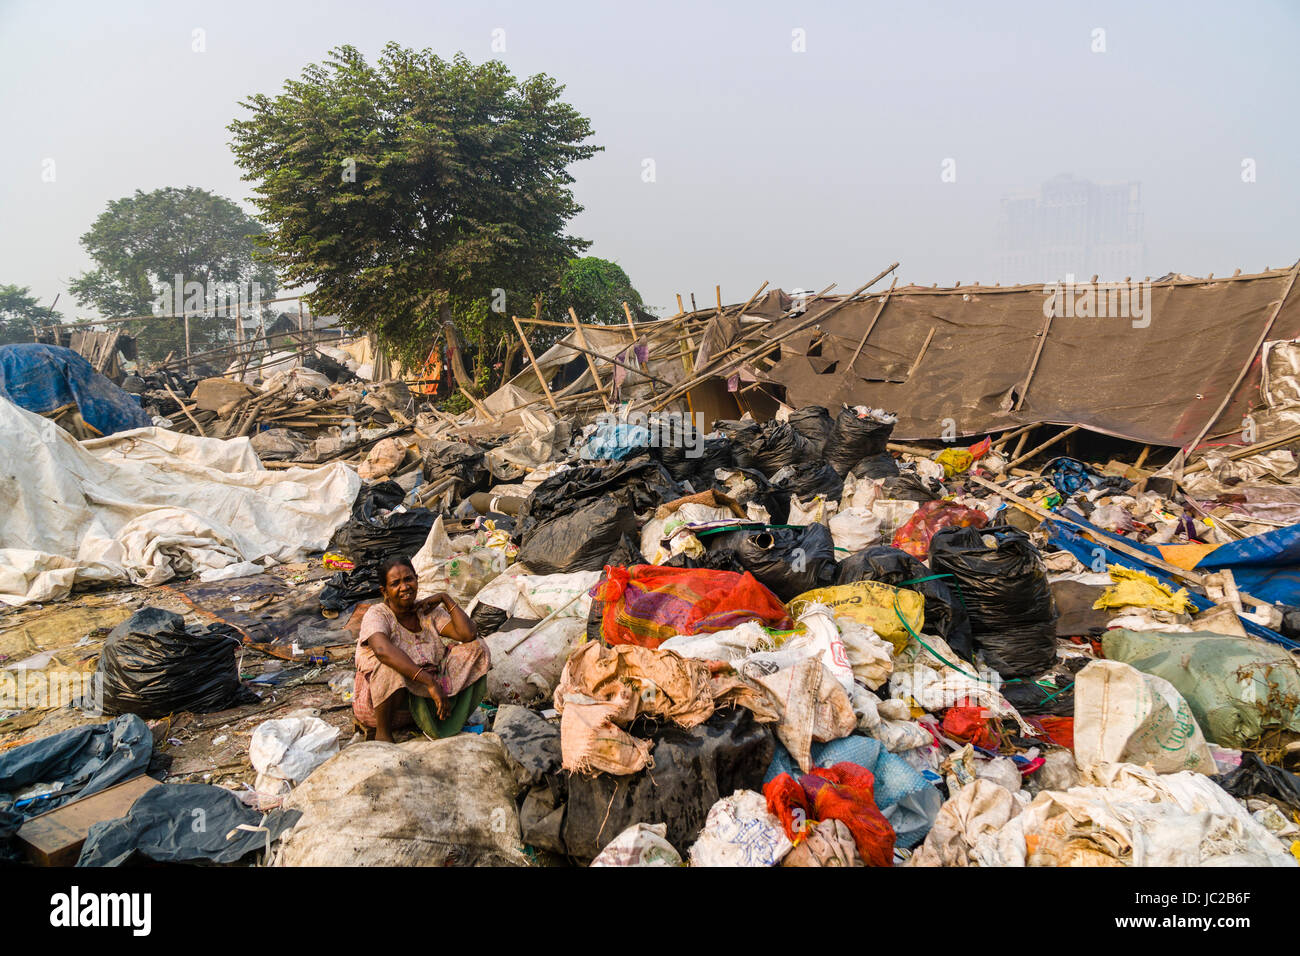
964,355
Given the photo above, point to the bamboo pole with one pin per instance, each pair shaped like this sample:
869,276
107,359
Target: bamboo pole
184,409
1007,436
532,360
591,362
872,324
492,419
1043,447
1033,365
772,343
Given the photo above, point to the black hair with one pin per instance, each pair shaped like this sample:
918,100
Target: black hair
390,562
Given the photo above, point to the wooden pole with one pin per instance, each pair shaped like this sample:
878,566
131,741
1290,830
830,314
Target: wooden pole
1120,546
1043,447
483,411
1250,359
872,324
1033,366
772,343
630,324
1006,437
532,360
591,362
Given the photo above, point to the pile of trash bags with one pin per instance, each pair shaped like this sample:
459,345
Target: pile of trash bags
787,644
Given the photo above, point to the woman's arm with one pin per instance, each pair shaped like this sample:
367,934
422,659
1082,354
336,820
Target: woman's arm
390,655
461,627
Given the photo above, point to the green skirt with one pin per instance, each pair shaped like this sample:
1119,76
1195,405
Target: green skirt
462,705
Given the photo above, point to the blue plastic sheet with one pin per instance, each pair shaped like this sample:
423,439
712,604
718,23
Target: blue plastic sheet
1266,565
1068,539
41,378
615,442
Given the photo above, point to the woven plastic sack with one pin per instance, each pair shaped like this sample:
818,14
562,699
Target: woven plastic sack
879,606
646,605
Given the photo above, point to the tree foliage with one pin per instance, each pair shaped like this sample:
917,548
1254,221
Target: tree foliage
596,289
19,310
142,242
407,191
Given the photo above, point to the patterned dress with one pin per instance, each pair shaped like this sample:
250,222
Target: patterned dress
455,667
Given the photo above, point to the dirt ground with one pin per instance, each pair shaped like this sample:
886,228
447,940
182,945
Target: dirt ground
188,748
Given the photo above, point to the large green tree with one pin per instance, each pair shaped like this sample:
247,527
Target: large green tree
19,311
410,191
141,243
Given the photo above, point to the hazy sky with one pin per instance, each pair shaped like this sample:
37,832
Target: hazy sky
800,168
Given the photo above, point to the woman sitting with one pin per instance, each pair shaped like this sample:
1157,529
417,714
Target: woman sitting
405,671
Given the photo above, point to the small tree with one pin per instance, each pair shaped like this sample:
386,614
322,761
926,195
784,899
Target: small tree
141,243
410,192
19,311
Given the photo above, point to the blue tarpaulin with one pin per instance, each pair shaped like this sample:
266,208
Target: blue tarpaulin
41,378
1272,568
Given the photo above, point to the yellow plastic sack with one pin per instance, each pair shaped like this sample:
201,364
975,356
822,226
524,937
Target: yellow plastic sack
1133,587
870,603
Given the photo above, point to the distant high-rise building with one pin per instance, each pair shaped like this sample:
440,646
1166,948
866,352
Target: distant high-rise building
1072,227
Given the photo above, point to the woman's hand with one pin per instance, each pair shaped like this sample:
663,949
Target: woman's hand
440,704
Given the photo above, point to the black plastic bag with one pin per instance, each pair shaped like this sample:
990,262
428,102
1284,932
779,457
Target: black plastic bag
152,666
808,479
346,589
374,532
744,436
487,618
1034,699
697,463
876,466
909,486
945,615
581,540
578,814
787,561
1005,590
814,423
853,439
780,446
1254,778
643,483
459,460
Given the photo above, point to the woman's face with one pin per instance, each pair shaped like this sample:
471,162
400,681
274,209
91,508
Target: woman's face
401,587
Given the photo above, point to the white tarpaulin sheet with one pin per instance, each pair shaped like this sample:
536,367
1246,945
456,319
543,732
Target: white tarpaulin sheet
145,505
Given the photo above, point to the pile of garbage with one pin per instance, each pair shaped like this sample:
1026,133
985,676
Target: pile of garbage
790,643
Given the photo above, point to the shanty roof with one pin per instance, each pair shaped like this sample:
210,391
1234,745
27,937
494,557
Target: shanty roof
978,359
